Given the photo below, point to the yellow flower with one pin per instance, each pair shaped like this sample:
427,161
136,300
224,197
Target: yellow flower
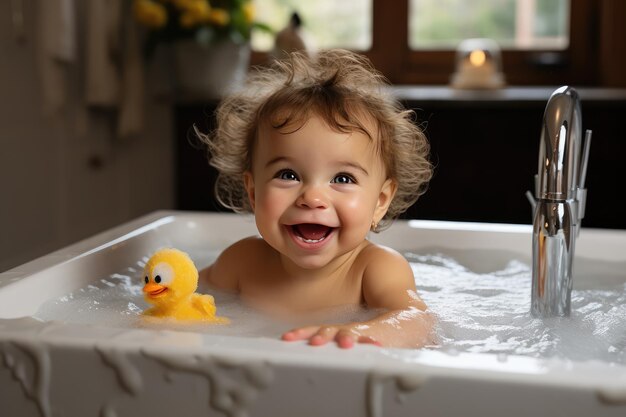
198,10
219,17
184,4
201,8
150,14
195,12
248,12
174,20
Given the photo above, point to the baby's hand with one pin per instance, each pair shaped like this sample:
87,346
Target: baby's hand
405,328
344,335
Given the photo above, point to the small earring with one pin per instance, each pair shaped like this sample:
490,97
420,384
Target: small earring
373,226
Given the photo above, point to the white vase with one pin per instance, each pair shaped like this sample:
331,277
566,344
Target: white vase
212,71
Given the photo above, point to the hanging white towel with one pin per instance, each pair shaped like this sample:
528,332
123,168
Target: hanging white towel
114,71
130,120
113,62
57,49
102,53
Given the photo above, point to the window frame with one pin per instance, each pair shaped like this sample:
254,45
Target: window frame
401,65
521,67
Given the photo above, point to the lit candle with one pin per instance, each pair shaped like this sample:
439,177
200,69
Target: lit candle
477,57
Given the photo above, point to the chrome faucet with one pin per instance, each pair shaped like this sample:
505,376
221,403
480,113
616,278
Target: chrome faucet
559,203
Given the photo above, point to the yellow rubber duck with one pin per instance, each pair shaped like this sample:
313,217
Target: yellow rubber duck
171,279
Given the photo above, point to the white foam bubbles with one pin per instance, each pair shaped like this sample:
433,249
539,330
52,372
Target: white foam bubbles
482,307
489,311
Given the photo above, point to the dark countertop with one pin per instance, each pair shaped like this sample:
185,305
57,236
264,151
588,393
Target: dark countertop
439,95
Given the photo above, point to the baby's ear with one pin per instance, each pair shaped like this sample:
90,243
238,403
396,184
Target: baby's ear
387,192
248,182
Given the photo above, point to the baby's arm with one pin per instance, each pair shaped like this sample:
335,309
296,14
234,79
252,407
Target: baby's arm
388,284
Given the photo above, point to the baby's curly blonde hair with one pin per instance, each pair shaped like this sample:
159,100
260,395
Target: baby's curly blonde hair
343,89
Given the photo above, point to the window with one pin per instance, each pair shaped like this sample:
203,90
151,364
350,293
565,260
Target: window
513,24
328,23
544,42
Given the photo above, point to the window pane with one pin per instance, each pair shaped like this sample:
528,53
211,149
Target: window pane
514,24
327,23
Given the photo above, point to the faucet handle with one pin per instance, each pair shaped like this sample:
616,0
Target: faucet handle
584,160
531,200
581,191
532,197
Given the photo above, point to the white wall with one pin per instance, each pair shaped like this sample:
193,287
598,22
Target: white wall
50,194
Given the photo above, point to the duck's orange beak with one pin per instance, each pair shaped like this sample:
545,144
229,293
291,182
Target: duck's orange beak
154,290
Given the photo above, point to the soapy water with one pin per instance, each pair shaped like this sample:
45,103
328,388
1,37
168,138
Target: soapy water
480,308
117,301
489,311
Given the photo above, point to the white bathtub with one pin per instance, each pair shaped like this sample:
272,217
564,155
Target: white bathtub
52,369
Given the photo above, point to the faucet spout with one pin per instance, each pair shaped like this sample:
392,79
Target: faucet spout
559,146
559,206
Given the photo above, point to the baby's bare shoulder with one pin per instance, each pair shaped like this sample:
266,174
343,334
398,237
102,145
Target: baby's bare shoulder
235,262
244,253
388,280
248,243
374,255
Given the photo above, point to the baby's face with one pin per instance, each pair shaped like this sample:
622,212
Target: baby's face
315,192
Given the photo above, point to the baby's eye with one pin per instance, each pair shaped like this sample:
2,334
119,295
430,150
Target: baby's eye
287,175
343,179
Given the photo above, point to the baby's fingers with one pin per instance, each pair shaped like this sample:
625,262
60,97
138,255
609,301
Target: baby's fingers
300,334
324,335
347,338
321,335
317,335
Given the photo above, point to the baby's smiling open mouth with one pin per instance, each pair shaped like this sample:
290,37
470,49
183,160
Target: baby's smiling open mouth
311,233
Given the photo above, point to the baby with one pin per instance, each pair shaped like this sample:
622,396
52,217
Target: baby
322,155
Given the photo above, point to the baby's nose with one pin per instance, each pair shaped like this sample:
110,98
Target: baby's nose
312,197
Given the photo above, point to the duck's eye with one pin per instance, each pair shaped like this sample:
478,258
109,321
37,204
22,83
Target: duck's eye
146,279
163,273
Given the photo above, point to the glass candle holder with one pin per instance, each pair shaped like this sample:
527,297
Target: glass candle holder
478,65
